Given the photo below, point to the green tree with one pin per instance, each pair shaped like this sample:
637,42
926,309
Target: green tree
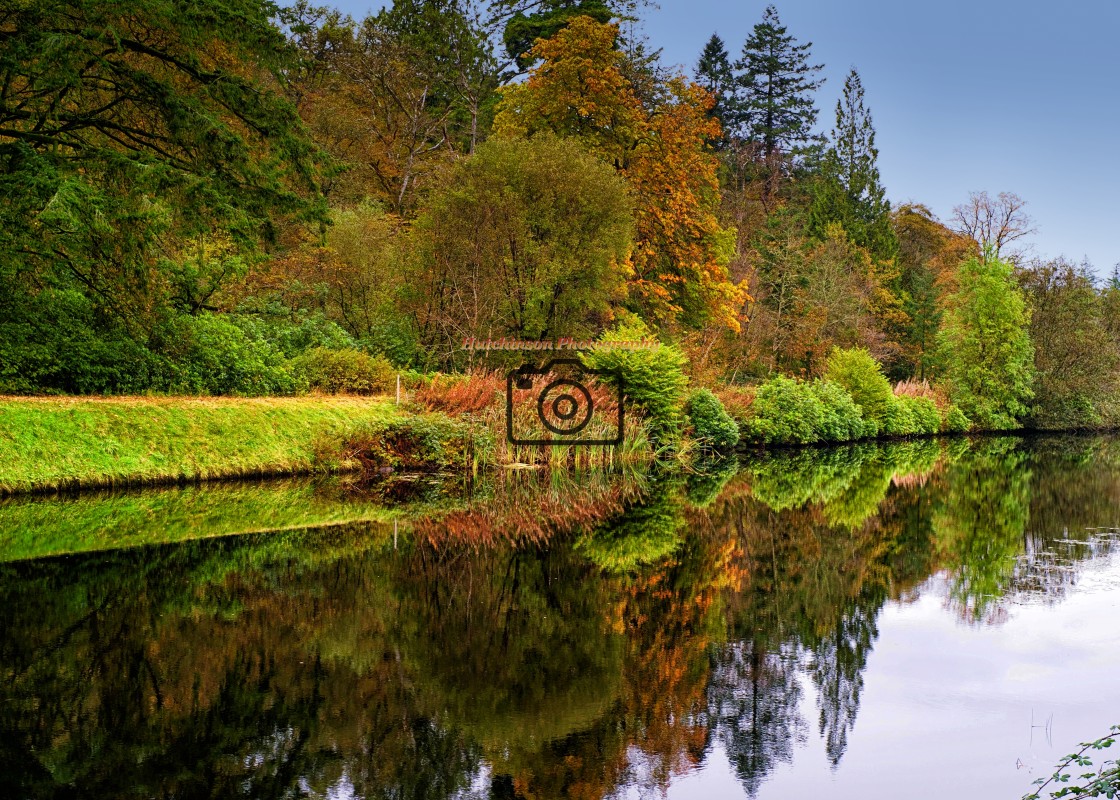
529,239
777,87
986,346
850,191
713,72
1075,359
126,133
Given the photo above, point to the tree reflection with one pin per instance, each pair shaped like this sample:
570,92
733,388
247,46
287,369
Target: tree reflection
836,667
754,705
980,521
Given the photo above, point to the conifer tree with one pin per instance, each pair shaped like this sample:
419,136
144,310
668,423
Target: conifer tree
713,72
849,190
777,87
854,154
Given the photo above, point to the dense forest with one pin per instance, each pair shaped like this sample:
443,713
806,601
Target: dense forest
228,197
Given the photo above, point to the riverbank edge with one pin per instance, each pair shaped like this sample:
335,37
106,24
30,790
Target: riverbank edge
745,447
52,445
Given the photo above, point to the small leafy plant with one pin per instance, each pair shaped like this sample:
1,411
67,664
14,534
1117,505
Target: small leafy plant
1102,782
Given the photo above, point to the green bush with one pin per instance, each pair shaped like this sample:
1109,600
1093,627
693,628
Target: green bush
862,376
55,342
842,420
786,411
345,371
955,420
900,419
653,379
209,354
913,416
293,338
712,426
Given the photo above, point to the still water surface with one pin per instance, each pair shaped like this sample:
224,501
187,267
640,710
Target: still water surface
926,620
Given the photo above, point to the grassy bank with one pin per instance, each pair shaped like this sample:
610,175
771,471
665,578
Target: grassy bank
57,443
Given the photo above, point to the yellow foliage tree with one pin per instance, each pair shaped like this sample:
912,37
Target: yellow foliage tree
681,252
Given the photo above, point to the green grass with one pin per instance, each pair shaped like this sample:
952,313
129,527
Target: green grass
55,443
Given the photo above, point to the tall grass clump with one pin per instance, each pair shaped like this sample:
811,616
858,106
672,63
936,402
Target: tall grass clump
480,399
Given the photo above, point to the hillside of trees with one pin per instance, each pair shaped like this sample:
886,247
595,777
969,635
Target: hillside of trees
224,197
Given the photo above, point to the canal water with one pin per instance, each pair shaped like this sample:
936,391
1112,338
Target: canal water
921,620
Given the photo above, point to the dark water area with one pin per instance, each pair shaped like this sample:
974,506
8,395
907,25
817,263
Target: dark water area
920,620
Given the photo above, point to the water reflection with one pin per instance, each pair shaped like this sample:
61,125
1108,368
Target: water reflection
553,636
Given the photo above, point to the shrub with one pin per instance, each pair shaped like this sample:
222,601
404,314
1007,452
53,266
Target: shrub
424,443
862,376
712,427
786,411
737,401
914,416
955,420
345,371
900,419
842,421
653,379
292,337
54,342
209,354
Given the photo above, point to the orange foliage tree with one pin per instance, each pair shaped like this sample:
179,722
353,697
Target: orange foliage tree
680,276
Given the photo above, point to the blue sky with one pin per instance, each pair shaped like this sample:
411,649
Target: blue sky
1020,96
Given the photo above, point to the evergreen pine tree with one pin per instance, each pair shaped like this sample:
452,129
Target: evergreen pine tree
713,72
849,190
853,153
777,85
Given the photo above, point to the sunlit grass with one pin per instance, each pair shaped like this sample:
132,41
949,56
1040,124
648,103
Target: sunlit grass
54,443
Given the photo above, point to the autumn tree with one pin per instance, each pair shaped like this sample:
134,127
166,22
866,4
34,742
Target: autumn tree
394,97
1075,359
529,239
525,23
986,346
681,252
812,296
994,222
928,256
